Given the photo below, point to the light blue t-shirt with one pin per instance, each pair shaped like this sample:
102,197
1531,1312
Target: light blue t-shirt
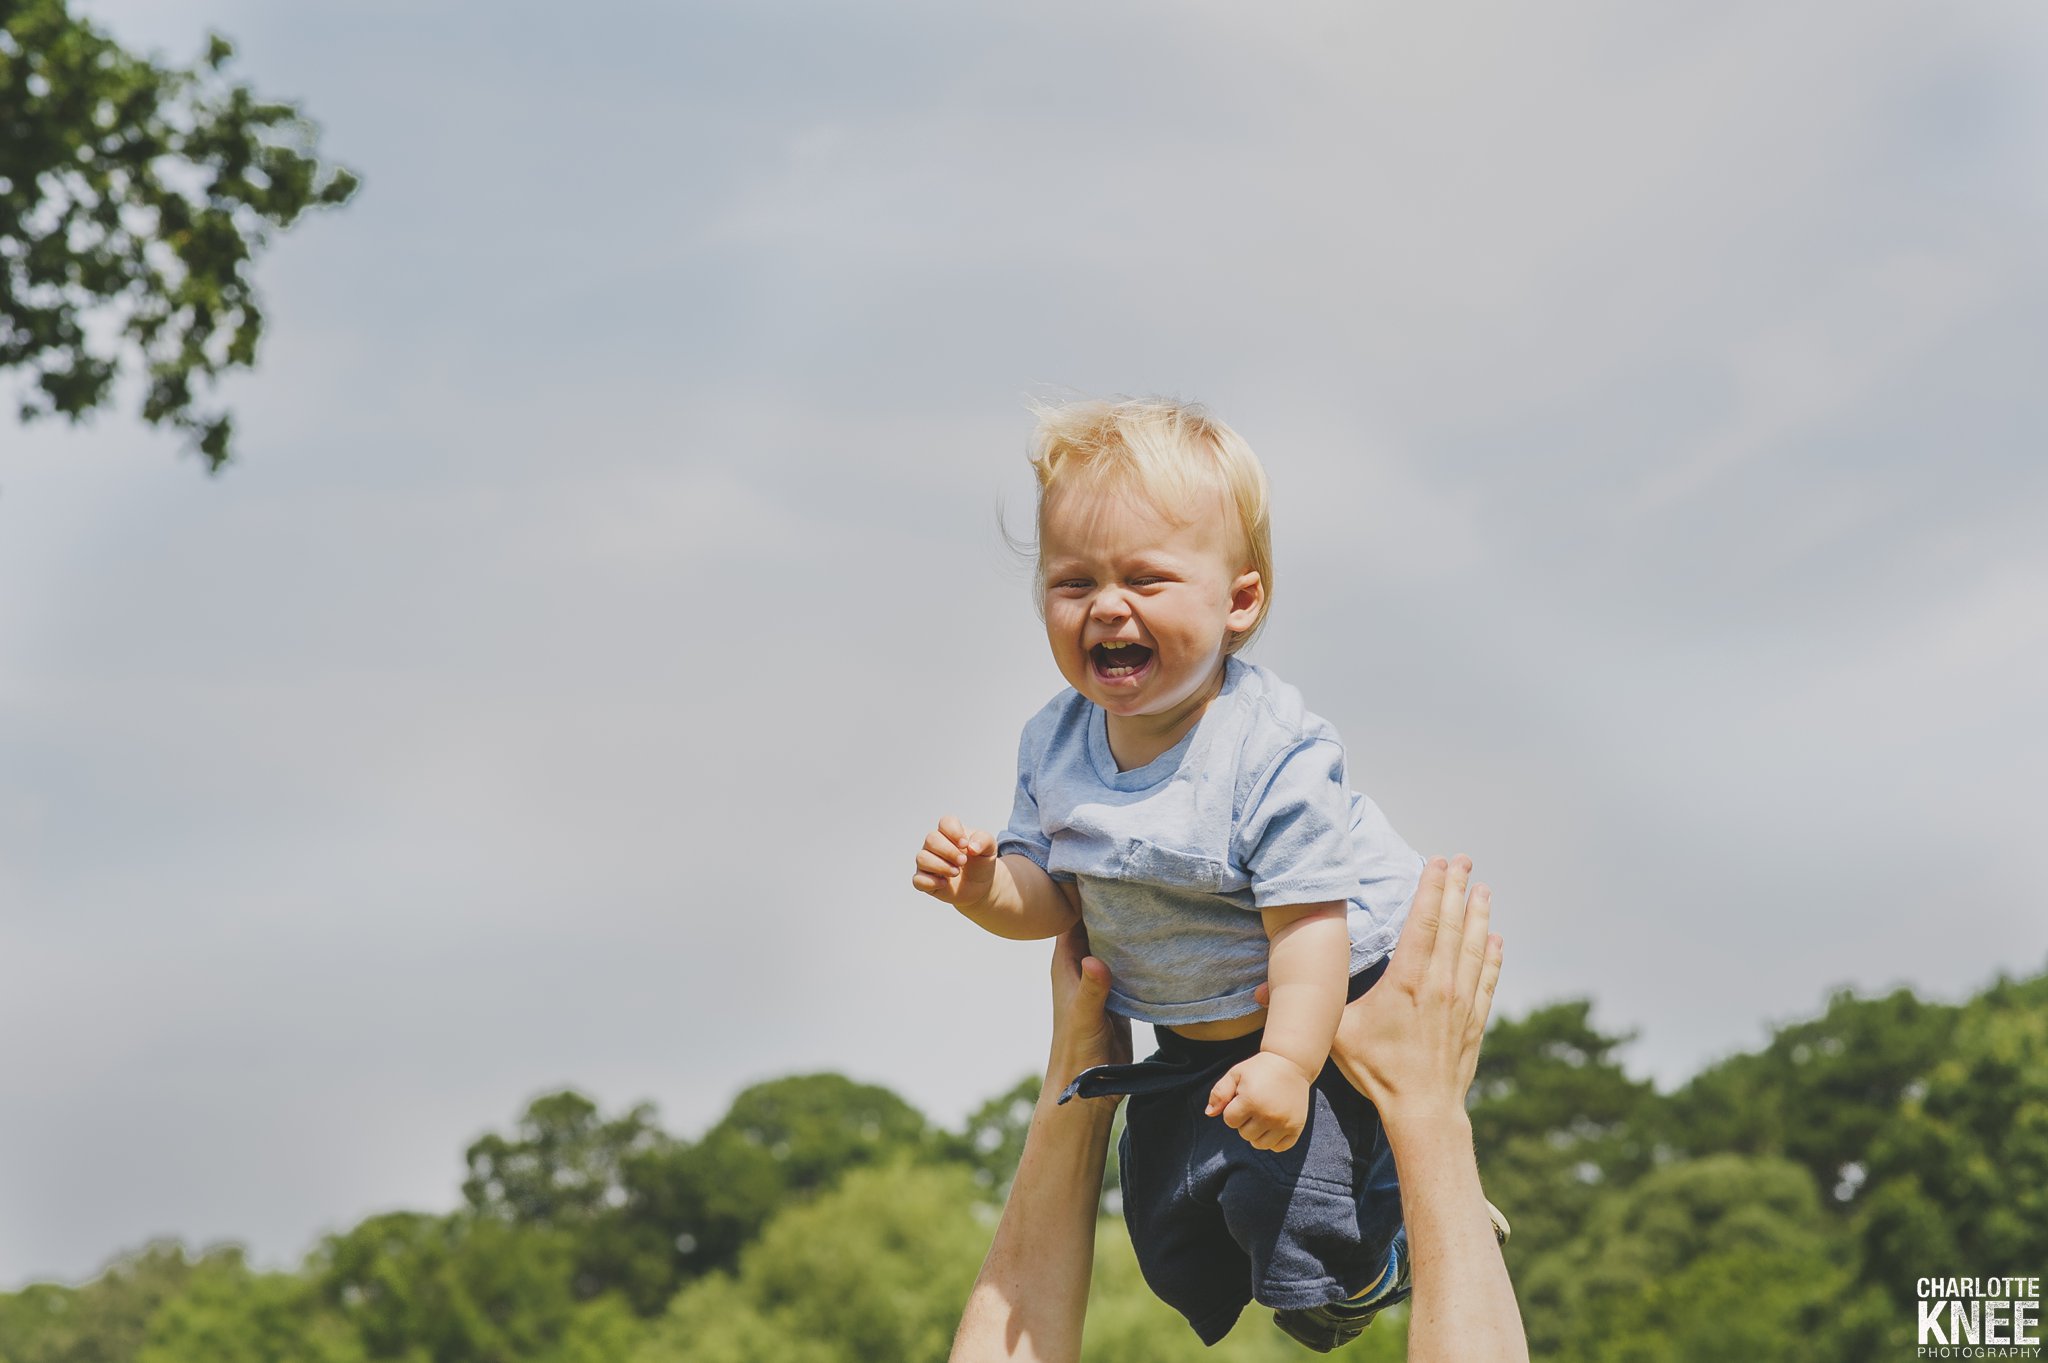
1174,859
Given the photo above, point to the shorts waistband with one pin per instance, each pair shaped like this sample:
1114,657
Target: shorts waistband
1180,1061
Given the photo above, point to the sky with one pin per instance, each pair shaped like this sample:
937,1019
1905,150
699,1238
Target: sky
611,589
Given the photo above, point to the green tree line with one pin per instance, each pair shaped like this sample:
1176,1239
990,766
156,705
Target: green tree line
1781,1201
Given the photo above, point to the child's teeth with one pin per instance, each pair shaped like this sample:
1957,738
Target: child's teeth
1108,650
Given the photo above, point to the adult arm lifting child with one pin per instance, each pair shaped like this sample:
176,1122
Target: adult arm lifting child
1410,1044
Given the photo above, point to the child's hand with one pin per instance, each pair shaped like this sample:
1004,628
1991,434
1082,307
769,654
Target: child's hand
956,867
1263,1099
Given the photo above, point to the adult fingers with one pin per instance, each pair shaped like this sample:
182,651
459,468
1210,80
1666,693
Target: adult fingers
1080,981
1489,977
1472,944
1418,935
1475,1017
1091,996
1450,920
1091,992
1067,951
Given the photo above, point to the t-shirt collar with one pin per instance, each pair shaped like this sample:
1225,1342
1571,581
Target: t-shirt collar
1167,763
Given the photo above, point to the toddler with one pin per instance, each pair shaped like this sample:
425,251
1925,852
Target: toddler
1186,806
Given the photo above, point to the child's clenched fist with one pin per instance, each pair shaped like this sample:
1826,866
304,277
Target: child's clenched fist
1264,1099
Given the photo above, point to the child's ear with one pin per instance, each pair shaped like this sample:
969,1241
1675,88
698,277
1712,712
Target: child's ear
1247,595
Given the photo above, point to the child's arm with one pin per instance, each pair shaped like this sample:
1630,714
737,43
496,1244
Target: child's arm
1309,967
1009,896
1265,1098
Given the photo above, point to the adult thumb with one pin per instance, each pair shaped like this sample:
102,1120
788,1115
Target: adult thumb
1094,989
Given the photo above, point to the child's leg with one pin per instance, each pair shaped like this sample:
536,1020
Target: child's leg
1183,1245
1319,1219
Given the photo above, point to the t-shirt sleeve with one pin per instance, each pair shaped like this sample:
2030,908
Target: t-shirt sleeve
1025,834
1294,838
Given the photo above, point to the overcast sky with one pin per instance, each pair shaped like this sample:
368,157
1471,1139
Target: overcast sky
610,592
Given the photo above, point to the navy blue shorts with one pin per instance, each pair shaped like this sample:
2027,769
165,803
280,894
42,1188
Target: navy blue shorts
1217,1224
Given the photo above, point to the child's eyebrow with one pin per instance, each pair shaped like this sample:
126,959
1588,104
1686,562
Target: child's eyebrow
1138,565
1151,560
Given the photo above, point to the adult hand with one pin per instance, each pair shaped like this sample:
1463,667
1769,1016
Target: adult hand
1084,1032
1411,1042
1027,1305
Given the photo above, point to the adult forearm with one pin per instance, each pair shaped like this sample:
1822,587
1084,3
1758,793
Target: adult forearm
1463,1309
1023,904
1031,1297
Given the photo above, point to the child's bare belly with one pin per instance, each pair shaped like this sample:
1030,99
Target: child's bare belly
1224,1030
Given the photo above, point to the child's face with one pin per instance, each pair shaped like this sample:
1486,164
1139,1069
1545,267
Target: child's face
1117,571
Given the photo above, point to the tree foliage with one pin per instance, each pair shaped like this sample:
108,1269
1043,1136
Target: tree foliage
1960,1175
643,1212
876,1269
1821,1091
1556,1118
569,1169
822,1220
228,1313
1720,1260
781,1142
106,1318
464,1289
134,198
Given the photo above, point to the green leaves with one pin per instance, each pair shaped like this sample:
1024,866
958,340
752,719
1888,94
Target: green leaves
1821,1091
876,1269
230,1314
105,1319
821,1220
460,1289
1961,1173
1556,1119
780,1142
1717,1260
134,200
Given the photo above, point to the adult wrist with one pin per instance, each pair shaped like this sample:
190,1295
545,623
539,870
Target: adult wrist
1413,1123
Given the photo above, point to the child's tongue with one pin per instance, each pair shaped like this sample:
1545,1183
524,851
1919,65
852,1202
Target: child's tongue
1127,659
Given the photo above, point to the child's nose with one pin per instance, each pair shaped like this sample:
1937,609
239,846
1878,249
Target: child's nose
1110,606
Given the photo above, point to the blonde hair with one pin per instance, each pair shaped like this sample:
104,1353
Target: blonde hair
1172,453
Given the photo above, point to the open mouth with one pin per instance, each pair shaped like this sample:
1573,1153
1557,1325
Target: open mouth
1119,662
